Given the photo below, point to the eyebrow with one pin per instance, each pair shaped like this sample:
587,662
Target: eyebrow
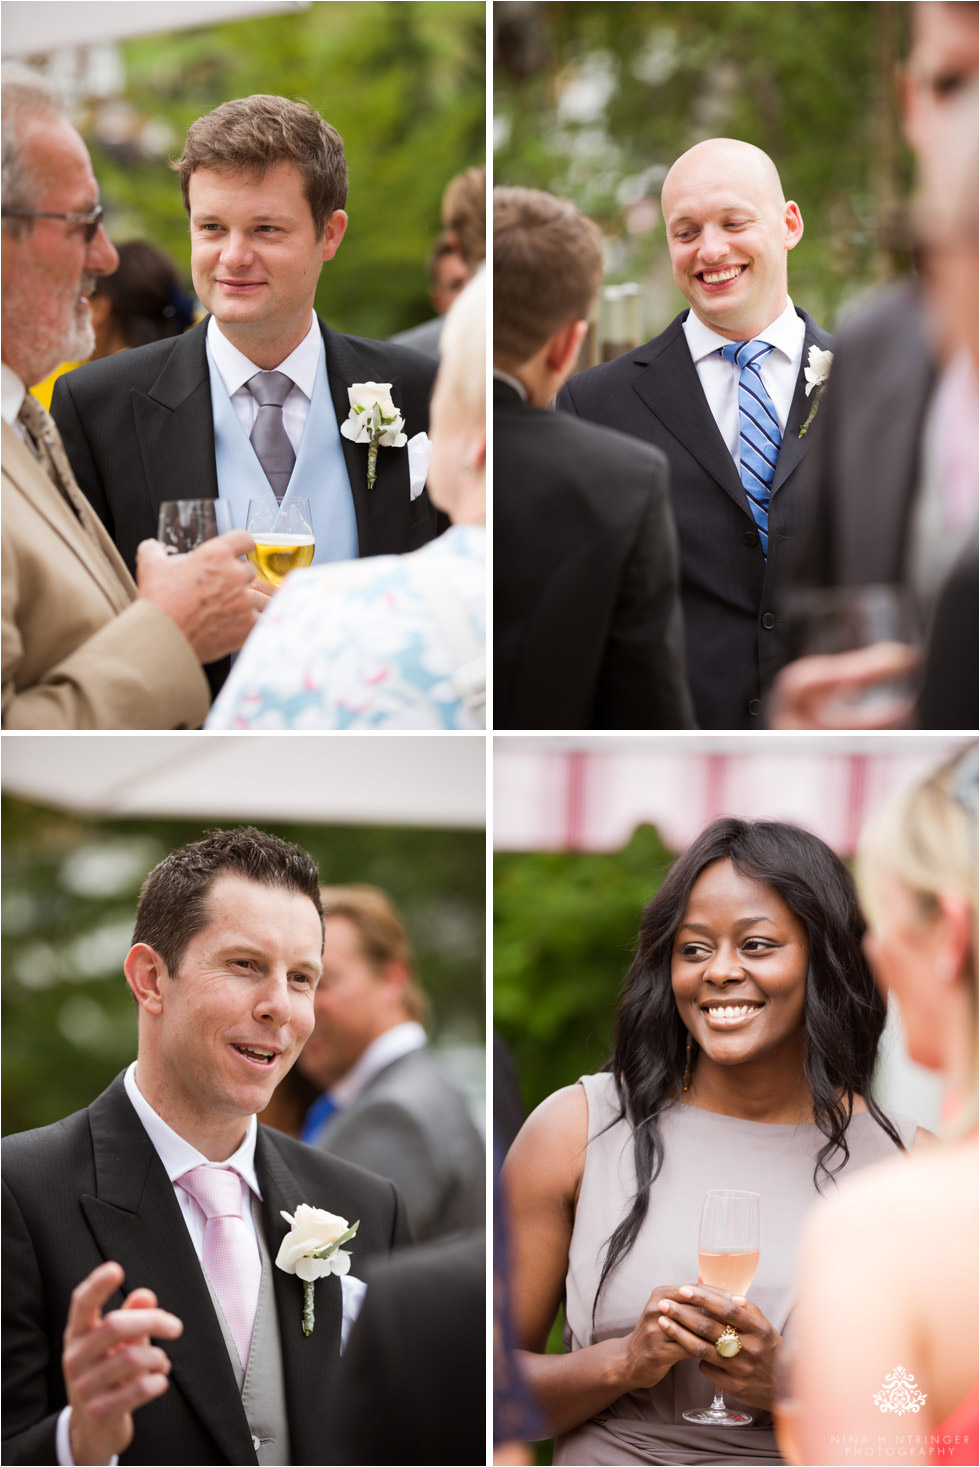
742,922
215,215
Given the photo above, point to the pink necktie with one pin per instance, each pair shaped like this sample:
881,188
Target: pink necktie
231,1257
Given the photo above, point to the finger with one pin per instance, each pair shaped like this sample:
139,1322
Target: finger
125,1365
119,1327
691,1319
150,550
715,1302
239,542
696,1347
140,1298
88,1297
127,1397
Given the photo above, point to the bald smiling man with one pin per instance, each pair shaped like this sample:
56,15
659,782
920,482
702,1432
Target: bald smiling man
730,428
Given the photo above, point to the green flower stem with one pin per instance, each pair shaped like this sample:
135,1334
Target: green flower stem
813,412
372,469
308,1320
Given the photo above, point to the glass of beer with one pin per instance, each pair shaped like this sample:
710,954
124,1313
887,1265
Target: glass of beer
184,524
728,1255
283,535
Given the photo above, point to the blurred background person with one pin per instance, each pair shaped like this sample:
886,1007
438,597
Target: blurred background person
390,641
455,257
896,1254
386,1104
142,301
746,1043
892,481
587,621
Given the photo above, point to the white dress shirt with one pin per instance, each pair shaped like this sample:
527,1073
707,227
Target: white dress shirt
719,379
380,1053
12,394
301,366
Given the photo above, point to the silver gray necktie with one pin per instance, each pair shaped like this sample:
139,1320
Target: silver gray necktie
268,437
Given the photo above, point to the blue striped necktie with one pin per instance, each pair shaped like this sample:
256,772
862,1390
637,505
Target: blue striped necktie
316,1118
759,433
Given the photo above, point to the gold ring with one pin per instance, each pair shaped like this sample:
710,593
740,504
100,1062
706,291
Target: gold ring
728,1343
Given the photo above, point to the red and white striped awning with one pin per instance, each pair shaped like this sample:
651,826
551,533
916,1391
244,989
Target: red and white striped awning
591,793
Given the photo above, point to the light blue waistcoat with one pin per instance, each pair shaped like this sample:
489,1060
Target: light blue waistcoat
319,474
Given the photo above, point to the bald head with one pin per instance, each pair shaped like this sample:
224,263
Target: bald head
729,229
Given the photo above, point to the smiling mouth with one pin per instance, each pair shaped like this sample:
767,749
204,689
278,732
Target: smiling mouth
256,1054
730,1015
721,277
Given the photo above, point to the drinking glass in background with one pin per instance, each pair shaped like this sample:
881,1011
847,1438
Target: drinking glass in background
728,1256
283,535
846,618
184,524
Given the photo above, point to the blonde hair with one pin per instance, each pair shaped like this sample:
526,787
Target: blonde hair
926,837
382,934
463,350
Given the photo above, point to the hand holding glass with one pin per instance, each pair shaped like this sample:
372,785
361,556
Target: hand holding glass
283,535
184,524
728,1256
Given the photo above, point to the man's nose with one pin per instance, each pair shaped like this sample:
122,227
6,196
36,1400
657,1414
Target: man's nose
273,1000
236,250
713,244
103,257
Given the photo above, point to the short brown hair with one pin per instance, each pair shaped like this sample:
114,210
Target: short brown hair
383,935
547,268
173,904
464,212
251,134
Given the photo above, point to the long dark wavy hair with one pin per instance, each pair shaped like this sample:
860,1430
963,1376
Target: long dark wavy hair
843,1013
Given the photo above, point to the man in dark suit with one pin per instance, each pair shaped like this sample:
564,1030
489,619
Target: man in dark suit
223,969
202,416
729,230
586,618
387,1105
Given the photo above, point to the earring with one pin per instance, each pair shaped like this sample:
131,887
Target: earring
687,1063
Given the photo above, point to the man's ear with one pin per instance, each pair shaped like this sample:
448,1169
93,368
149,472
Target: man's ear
144,968
333,232
793,223
561,352
394,976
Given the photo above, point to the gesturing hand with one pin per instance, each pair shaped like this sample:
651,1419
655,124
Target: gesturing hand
695,1322
206,592
109,1365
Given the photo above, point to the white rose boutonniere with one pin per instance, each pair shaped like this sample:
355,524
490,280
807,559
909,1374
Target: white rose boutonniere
374,420
311,1250
817,374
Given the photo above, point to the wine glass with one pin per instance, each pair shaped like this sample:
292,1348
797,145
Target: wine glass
728,1256
283,535
183,524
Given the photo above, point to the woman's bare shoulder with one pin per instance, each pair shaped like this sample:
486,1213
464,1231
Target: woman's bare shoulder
549,1150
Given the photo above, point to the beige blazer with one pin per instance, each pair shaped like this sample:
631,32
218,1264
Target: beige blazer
78,649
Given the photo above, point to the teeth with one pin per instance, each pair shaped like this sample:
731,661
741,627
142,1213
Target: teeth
715,277
728,1011
262,1054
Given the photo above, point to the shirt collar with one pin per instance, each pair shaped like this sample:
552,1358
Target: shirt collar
784,335
179,1156
518,386
12,394
380,1053
236,369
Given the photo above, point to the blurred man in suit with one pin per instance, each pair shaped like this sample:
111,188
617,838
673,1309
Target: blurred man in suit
386,1104
249,404
892,485
84,644
587,627
734,474
167,1181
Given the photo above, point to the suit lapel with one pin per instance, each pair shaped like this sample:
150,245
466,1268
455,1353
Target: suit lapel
670,388
136,1220
174,426
793,447
306,1359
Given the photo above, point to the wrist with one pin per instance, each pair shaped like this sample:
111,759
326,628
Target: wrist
617,1365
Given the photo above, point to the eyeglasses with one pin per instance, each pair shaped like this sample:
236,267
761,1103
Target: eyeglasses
90,221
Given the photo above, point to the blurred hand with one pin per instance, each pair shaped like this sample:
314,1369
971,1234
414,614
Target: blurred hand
260,592
109,1364
205,593
817,692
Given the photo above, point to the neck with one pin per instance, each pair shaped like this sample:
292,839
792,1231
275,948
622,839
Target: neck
750,331
267,344
215,1136
772,1088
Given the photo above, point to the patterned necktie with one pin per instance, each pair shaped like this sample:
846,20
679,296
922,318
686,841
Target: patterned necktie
231,1256
268,436
759,433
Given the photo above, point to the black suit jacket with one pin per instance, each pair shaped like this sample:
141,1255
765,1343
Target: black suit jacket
732,629
587,627
92,1188
138,430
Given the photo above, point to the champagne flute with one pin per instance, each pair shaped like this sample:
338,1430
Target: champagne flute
283,535
183,524
728,1256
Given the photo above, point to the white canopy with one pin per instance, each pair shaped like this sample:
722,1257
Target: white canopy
345,779
33,29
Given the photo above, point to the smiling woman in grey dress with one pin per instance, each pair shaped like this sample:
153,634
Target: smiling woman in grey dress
745,1048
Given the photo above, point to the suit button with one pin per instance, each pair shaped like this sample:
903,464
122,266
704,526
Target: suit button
768,621
755,707
751,537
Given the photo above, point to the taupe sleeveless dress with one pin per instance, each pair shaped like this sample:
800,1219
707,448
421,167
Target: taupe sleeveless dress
702,1151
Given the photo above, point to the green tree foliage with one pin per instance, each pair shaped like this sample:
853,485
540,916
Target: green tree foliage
594,101
70,890
403,84
565,930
